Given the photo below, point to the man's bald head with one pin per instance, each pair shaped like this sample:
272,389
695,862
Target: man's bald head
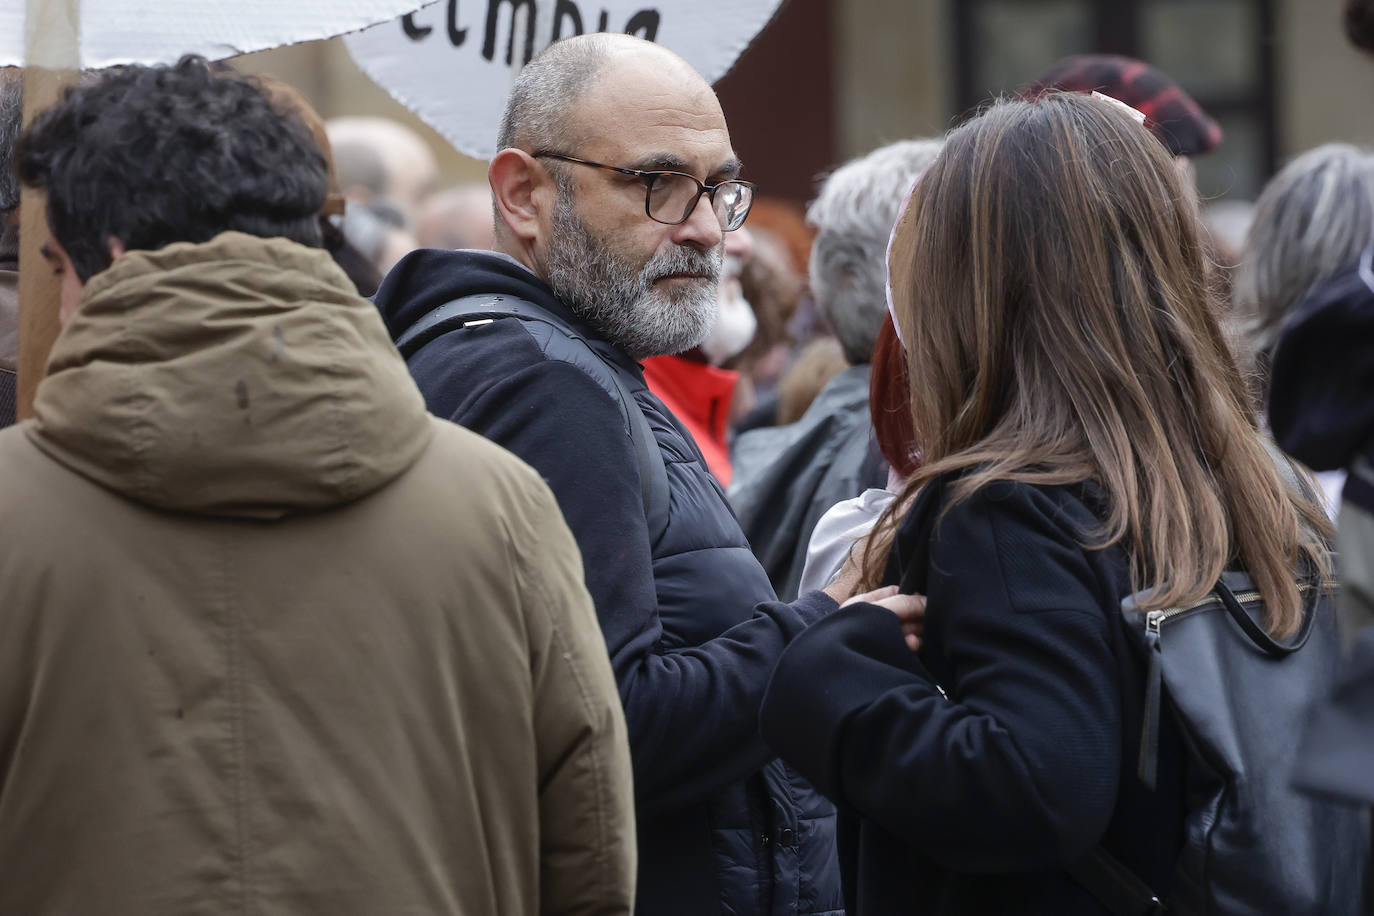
382,157
647,285
456,218
542,111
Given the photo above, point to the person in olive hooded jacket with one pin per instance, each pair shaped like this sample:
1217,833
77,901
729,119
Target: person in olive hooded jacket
261,650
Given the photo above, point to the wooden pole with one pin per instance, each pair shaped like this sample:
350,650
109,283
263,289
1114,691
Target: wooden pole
52,54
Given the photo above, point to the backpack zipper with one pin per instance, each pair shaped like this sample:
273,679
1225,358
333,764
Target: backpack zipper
1147,766
1154,619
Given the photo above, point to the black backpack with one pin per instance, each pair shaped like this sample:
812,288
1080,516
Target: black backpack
571,346
1253,844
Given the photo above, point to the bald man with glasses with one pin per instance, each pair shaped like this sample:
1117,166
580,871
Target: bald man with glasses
613,191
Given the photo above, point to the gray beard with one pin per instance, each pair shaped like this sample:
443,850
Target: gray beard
623,305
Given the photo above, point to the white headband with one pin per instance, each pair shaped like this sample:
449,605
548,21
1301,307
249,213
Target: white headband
887,259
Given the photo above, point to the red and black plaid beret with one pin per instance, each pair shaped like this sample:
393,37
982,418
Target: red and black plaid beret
1170,113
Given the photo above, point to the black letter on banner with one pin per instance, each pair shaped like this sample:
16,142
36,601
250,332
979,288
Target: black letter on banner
602,21
489,44
569,9
456,36
644,19
414,32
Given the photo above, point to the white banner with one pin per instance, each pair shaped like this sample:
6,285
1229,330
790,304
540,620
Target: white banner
453,63
112,32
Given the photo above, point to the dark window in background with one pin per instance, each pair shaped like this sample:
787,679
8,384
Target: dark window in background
1220,51
779,102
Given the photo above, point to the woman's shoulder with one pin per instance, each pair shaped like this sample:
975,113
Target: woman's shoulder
1004,530
1073,511
1033,537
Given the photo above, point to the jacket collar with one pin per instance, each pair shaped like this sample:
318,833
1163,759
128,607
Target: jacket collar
428,278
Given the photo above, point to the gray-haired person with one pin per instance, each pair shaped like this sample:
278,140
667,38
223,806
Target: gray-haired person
1311,225
11,118
1313,218
786,477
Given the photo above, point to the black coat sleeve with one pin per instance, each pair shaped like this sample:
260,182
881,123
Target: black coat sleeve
1018,768
691,712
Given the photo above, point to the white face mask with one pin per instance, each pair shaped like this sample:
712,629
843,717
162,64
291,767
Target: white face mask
735,322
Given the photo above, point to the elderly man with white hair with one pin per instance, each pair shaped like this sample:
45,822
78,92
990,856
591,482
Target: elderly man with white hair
786,477
457,217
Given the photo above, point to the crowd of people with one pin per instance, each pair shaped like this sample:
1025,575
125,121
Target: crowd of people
490,550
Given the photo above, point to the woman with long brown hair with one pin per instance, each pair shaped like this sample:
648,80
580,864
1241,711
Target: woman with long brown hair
1084,435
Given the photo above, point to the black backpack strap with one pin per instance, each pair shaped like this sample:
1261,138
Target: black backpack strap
1114,885
473,311
470,311
1256,634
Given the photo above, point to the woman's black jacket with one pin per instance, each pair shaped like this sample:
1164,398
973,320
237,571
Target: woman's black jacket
974,803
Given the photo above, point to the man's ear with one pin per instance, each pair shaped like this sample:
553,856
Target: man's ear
522,190
114,246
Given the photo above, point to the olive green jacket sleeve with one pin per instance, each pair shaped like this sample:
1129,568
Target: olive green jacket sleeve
586,801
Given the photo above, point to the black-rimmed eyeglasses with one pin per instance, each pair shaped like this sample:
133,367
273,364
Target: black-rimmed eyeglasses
670,197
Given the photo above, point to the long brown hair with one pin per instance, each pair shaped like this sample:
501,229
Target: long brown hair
1050,284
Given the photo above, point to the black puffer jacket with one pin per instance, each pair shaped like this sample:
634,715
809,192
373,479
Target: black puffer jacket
690,621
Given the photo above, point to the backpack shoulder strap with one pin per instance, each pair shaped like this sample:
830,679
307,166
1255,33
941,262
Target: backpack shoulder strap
473,311
1114,885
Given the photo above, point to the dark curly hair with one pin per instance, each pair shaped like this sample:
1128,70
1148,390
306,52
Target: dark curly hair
176,153
1359,23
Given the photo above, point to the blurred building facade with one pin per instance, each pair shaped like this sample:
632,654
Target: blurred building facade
830,79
